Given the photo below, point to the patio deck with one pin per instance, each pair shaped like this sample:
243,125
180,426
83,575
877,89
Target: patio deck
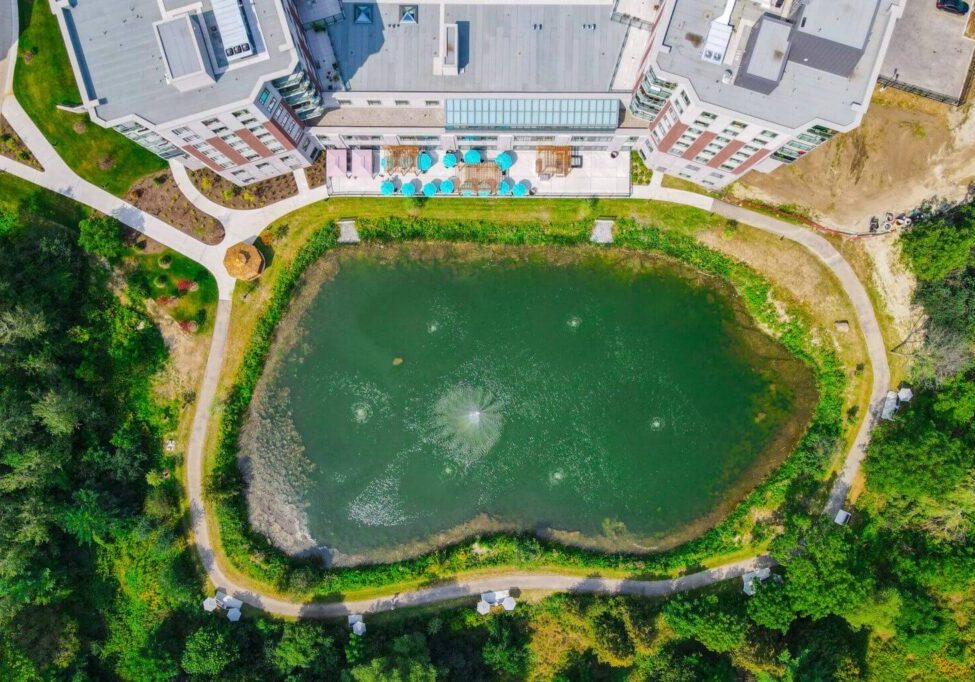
600,175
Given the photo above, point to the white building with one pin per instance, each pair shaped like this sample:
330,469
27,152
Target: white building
736,85
222,84
704,89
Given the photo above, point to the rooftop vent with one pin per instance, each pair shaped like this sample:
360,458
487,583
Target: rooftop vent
234,32
719,35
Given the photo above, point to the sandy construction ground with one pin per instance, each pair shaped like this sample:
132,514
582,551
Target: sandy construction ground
908,150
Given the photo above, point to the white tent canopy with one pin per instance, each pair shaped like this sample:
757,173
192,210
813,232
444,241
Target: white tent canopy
483,608
359,628
508,603
209,604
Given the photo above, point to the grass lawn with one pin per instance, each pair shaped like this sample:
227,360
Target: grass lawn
18,196
169,278
44,80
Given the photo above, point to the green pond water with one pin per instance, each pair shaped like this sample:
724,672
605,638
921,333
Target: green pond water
419,395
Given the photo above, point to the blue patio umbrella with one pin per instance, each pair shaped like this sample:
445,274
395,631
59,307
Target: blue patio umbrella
472,156
504,189
504,161
430,189
425,162
520,189
447,186
449,160
408,189
387,188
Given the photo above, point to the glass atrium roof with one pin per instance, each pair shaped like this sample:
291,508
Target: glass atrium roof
528,114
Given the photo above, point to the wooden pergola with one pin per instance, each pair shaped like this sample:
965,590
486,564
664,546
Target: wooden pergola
555,161
480,177
400,159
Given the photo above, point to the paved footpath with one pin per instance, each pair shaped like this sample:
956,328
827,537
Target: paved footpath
247,225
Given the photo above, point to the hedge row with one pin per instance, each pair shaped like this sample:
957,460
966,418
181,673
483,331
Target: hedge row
801,477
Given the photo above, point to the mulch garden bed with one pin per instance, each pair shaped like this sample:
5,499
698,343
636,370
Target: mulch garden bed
14,148
230,195
316,172
158,195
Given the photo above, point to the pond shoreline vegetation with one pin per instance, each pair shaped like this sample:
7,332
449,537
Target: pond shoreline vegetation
802,473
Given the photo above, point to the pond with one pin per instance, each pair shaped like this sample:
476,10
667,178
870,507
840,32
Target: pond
419,395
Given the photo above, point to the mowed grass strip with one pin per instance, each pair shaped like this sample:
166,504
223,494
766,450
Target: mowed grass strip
43,80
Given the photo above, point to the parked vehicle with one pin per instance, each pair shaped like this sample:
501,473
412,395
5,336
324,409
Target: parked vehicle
954,6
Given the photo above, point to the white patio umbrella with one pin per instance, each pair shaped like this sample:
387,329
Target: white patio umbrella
483,608
209,604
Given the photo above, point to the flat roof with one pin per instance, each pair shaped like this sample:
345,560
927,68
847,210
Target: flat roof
929,50
846,22
545,48
180,48
804,93
122,66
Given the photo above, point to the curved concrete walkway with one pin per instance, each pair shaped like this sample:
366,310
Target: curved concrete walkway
247,225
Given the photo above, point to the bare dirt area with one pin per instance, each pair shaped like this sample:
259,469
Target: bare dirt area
226,193
907,151
14,148
877,262
158,195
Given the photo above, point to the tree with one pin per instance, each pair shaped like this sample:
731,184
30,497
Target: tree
8,220
208,651
827,573
409,662
101,236
719,624
305,648
770,606
504,652
59,410
939,246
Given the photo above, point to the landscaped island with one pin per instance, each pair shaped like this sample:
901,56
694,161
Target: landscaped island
421,394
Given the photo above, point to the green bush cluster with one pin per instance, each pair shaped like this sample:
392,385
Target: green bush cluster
802,472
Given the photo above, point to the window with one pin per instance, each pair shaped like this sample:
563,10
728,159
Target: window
402,102
683,96
211,122
769,134
708,115
344,102
265,93
374,102
738,124
241,113
180,131
729,131
432,103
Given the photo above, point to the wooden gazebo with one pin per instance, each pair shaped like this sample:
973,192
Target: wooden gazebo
553,161
244,261
400,159
480,177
